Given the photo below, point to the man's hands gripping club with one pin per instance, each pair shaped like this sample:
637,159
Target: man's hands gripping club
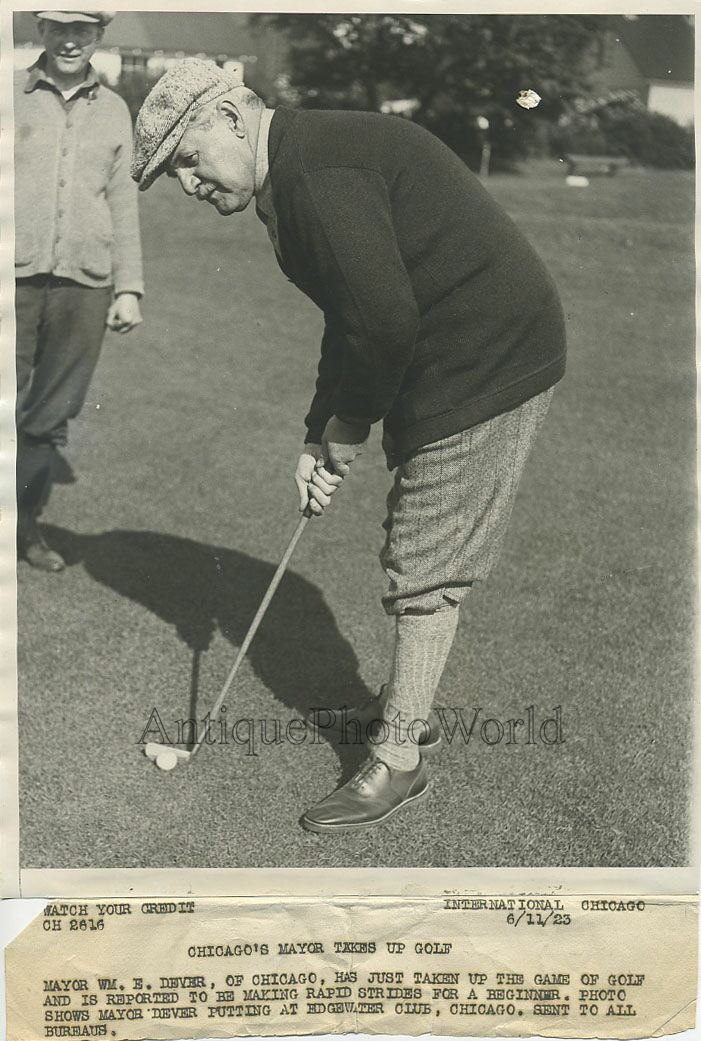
322,468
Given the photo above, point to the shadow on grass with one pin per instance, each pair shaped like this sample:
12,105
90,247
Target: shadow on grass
298,651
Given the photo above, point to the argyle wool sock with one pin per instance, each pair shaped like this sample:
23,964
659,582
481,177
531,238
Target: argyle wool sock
422,644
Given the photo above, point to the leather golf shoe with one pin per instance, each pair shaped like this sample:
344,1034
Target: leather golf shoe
371,796
35,550
358,723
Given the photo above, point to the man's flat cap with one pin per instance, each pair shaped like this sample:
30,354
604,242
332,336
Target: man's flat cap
185,87
102,18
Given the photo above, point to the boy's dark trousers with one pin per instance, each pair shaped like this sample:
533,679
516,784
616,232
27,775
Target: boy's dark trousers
60,328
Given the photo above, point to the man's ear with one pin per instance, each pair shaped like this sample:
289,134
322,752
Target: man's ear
232,113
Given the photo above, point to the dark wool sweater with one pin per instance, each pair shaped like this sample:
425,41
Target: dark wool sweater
439,314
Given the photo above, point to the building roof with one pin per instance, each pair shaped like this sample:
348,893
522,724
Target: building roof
662,46
202,33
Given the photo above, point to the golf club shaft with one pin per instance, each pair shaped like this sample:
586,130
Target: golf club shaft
275,582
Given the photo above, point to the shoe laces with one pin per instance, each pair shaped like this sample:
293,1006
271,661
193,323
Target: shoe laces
365,772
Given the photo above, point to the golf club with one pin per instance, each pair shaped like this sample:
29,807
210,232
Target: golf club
166,757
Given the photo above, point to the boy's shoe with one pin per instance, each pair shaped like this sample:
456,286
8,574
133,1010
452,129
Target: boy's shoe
33,547
371,712
372,795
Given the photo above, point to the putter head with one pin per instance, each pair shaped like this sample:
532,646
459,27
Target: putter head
165,757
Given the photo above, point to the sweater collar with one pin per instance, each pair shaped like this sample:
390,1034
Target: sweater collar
262,148
282,119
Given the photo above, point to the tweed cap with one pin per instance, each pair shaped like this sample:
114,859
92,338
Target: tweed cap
102,18
164,115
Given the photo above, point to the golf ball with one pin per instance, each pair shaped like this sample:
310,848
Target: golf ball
166,760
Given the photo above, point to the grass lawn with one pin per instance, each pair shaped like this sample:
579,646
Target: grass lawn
184,502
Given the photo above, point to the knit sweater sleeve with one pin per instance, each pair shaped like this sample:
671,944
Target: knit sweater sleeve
329,375
121,196
343,225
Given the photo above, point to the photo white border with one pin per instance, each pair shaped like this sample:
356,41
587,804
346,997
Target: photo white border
242,881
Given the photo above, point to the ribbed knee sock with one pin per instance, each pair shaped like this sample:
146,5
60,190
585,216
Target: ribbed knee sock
422,644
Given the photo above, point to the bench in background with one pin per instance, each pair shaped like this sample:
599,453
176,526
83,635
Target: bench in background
589,165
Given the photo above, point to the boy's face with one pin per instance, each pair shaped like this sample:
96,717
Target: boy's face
69,47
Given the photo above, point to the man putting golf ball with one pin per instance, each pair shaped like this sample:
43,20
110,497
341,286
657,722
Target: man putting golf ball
440,321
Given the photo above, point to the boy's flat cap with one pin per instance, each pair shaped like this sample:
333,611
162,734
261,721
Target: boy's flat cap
186,86
102,18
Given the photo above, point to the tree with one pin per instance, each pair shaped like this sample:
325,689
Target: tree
617,122
455,67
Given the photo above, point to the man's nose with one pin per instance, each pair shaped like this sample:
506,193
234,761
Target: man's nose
69,39
188,181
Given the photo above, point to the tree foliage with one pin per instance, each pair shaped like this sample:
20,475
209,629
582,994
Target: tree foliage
618,123
456,68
